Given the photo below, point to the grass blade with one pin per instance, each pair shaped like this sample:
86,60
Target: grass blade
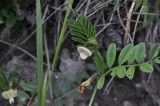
39,39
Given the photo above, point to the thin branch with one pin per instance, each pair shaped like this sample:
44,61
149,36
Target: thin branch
127,28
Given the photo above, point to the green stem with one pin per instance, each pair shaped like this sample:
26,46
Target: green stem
60,41
93,96
39,45
134,65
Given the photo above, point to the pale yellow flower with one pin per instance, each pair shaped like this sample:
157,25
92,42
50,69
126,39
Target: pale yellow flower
10,94
84,52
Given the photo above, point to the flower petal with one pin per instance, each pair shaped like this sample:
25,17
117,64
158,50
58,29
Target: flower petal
11,100
9,94
84,52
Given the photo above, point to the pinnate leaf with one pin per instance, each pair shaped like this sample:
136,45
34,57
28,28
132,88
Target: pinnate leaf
83,30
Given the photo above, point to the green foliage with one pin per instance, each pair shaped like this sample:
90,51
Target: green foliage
31,87
128,53
1,20
146,10
111,55
130,72
146,67
78,94
99,62
124,54
121,72
23,95
101,82
82,31
153,52
113,72
139,52
56,90
137,5
67,85
131,56
13,83
157,61
9,17
4,84
59,103
80,75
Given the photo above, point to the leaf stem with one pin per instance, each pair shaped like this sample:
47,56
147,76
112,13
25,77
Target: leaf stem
134,65
93,96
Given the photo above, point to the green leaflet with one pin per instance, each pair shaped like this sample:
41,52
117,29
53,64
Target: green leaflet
154,50
101,82
79,40
23,95
31,87
121,72
139,52
111,55
130,72
114,73
131,56
146,67
123,56
98,60
157,61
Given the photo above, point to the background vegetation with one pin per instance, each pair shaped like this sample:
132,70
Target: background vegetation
30,41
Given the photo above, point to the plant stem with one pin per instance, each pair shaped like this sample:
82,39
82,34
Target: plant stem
39,45
59,44
108,71
60,40
93,96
